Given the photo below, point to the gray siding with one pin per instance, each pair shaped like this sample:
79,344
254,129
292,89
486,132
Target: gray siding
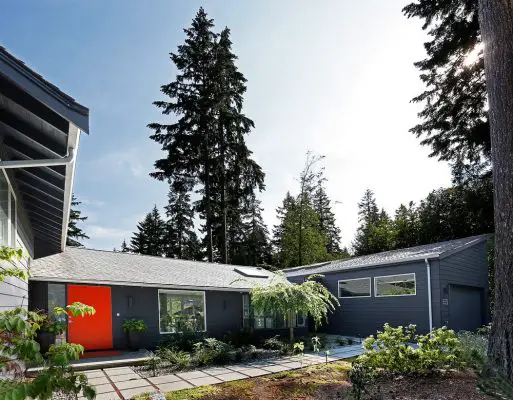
466,268
364,316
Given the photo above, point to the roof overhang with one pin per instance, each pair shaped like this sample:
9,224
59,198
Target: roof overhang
39,122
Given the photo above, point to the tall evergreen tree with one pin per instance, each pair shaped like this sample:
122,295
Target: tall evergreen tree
181,239
75,233
407,226
369,217
206,146
455,117
279,229
327,223
124,247
150,238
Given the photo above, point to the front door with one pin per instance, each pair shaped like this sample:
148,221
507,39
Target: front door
94,332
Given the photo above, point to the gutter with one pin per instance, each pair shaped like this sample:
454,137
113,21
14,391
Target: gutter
430,305
49,162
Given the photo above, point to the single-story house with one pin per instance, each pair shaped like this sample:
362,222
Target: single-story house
40,129
163,292
433,285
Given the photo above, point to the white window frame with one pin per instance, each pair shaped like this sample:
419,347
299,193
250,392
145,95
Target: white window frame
395,295
11,195
354,297
170,291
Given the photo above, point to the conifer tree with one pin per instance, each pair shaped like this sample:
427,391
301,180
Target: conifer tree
124,247
150,238
327,223
407,227
256,243
279,229
368,216
75,233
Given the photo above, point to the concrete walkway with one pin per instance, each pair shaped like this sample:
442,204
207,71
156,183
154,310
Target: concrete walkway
123,383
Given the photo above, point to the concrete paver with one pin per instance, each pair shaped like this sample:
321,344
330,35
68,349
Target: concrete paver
174,386
216,371
276,368
208,380
124,377
98,381
231,376
252,372
131,384
192,375
129,393
95,373
164,379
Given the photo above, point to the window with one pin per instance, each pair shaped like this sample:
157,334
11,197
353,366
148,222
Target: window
4,210
246,316
181,310
56,296
354,288
12,206
395,285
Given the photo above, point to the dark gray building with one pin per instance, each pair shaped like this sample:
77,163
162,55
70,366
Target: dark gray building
163,292
40,128
434,285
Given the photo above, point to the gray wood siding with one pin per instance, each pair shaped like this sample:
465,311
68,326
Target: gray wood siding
466,268
364,316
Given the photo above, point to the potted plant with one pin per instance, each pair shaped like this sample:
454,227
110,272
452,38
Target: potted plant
51,327
135,329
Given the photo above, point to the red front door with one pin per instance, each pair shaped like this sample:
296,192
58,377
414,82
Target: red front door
94,332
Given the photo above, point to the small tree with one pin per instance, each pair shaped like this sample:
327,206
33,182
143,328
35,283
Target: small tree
283,297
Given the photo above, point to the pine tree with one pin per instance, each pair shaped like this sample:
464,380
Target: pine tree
181,239
150,238
406,223
455,117
124,247
368,216
327,223
279,229
257,245
75,233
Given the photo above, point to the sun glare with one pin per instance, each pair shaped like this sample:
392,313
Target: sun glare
473,56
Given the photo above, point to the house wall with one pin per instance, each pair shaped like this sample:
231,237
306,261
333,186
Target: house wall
14,291
364,316
467,268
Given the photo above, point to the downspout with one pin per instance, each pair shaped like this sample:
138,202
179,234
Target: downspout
430,305
49,162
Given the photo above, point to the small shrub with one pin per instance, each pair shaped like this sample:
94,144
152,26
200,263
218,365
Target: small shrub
134,325
316,344
153,363
495,384
274,343
472,349
211,351
178,358
391,350
180,341
485,330
299,347
342,341
361,376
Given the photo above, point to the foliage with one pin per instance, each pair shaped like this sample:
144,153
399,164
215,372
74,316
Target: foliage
472,349
390,350
211,351
299,347
75,233
495,384
362,377
282,297
153,362
134,325
150,238
76,309
316,344
180,359
274,343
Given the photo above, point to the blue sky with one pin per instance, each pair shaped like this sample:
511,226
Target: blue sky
333,76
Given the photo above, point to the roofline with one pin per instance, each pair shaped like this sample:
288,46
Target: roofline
32,82
139,284
432,256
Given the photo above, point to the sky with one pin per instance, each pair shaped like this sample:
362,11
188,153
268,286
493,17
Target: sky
333,76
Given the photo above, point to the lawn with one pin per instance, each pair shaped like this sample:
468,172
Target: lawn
330,381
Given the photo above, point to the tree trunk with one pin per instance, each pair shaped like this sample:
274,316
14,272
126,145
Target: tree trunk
208,211
496,23
291,327
224,243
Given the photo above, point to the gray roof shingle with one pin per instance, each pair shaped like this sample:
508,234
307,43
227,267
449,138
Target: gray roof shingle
108,267
433,250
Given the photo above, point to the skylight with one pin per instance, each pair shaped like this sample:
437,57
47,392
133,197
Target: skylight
253,272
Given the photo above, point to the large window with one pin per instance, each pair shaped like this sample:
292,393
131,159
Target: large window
181,310
354,288
395,285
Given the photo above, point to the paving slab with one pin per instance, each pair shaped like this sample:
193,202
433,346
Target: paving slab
192,375
131,384
276,368
216,371
98,381
293,365
174,386
95,373
124,377
164,379
240,367
232,376
129,393
104,396
118,371
209,380
252,372
105,388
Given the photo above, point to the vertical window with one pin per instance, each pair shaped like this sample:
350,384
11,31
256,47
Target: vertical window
4,211
56,296
12,206
354,288
395,285
181,310
246,316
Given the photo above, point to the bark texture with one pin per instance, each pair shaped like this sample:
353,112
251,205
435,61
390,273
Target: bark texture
496,22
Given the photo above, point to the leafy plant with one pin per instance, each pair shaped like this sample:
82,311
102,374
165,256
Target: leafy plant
472,349
211,351
134,325
391,350
495,384
180,359
316,344
361,376
274,343
153,362
299,347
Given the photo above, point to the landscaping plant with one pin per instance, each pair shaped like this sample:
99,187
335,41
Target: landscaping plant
134,328
211,351
472,349
178,358
362,377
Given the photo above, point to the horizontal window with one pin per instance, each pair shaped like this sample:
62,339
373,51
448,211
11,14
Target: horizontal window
395,285
354,288
181,311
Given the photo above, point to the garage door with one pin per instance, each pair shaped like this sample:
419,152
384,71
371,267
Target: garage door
465,307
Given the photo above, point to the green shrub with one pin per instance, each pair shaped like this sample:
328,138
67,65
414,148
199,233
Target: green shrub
485,330
178,358
361,377
274,343
211,351
472,349
134,325
391,350
153,363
